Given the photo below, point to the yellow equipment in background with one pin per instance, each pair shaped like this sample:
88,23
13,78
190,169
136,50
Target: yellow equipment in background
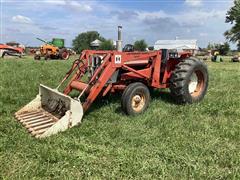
49,51
216,56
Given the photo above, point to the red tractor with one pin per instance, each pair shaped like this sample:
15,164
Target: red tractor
131,73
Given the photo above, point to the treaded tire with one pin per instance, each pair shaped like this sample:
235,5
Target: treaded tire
132,92
37,57
64,54
182,78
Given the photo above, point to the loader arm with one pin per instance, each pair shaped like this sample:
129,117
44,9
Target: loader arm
107,70
98,80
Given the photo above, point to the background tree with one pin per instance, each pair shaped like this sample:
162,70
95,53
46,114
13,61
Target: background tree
83,40
107,45
210,46
223,49
233,17
140,45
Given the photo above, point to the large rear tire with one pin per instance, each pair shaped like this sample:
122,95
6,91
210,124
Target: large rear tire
64,54
135,98
189,81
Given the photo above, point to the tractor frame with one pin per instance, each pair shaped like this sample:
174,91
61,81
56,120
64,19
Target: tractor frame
113,71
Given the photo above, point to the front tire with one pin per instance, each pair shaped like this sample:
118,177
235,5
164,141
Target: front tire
189,81
135,98
37,57
46,57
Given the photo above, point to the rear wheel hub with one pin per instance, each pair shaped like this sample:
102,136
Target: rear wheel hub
65,55
196,82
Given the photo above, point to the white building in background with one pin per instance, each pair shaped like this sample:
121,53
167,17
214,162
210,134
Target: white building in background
179,44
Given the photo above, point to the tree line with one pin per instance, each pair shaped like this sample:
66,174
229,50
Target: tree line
83,40
233,34
233,17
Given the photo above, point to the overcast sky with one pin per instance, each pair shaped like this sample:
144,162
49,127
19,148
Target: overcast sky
24,20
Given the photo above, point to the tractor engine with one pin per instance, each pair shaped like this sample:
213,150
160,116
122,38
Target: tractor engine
93,63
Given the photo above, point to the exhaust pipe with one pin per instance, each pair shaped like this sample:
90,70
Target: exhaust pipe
119,41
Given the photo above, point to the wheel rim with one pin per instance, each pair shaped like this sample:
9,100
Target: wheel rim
138,102
196,83
64,55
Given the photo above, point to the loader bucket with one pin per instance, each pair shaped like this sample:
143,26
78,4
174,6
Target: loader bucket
49,113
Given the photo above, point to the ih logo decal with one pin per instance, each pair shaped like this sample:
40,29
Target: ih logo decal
118,59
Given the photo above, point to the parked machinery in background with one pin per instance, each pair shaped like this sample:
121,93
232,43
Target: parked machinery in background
216,57
50,50
12,49
128,48
236,58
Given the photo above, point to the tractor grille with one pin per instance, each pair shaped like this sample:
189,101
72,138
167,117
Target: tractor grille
36,122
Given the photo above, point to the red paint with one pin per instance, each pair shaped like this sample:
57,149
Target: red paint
145,67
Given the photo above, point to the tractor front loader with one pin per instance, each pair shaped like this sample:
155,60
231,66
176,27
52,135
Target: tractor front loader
131,73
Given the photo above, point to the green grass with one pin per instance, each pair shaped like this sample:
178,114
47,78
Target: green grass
200,141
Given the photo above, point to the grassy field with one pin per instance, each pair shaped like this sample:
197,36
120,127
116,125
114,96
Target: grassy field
200,141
